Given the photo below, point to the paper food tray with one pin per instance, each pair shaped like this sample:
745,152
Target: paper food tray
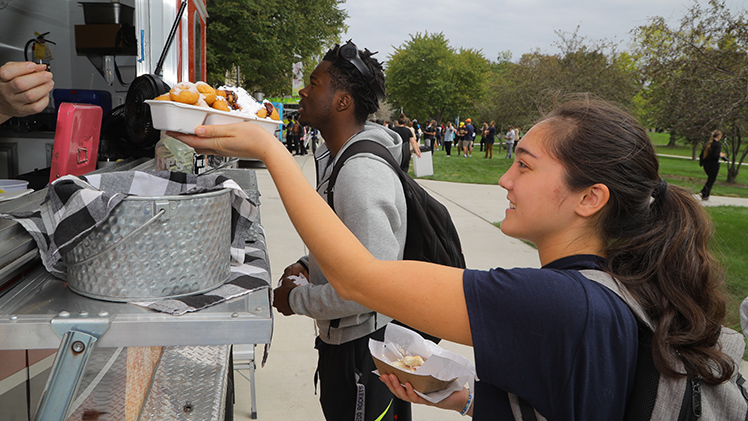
442,373
184,118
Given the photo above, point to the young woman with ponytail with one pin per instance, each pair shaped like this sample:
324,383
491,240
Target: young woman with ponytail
585,189
709,159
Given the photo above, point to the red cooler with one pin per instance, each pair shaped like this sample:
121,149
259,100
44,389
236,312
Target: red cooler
76,146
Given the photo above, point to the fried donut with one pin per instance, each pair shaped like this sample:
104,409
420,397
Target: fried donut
231,98
221,104
201,102
208,92
164,97
184,92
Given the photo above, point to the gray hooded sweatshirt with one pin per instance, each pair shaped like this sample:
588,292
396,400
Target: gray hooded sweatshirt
369,199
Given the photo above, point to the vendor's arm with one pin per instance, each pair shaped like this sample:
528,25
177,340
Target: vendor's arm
24,89
425,296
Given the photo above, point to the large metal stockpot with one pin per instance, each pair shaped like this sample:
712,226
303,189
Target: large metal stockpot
154,248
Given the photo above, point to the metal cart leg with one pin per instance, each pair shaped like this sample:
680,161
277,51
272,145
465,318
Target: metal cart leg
244,357
67,370
252,389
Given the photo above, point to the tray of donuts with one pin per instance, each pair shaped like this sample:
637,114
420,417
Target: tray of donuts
188,105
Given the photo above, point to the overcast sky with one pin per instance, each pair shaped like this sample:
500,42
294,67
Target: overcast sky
493,26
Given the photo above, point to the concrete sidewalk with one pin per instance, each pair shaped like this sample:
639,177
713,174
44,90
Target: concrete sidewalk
285,386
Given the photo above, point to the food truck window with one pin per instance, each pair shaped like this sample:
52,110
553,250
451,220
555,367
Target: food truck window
198,42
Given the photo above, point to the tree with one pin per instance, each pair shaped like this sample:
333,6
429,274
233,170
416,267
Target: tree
429,79
697,76
520,91
265,38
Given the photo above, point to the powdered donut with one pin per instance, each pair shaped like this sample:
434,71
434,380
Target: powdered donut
208,92
201,102
184,92
221,104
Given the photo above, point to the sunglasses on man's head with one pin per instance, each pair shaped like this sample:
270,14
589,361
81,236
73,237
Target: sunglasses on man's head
349,52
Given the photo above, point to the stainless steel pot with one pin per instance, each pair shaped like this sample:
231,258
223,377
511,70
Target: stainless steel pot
155,248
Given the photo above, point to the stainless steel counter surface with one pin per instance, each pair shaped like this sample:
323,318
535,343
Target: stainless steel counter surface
38,308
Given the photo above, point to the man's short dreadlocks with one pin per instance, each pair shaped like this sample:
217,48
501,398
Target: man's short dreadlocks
346,77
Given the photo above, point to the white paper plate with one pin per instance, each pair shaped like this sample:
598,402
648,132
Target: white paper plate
4,197
183,118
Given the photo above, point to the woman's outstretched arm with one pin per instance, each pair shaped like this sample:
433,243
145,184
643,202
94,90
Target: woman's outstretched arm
422,295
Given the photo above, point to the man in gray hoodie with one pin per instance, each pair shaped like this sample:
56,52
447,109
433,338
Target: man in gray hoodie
344,89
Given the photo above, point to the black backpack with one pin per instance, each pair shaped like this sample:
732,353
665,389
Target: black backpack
432,236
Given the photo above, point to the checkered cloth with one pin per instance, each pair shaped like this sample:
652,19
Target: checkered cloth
74,206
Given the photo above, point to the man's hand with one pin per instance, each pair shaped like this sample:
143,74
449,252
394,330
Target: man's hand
280,297
24,89
285,285
295,269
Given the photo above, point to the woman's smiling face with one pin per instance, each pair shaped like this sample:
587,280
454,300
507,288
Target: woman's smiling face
541,206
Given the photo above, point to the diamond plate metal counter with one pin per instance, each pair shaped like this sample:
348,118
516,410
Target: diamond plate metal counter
189,384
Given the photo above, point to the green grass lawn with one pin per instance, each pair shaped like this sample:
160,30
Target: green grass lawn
730,243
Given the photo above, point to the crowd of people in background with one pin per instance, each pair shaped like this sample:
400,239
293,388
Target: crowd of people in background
431,135
461,135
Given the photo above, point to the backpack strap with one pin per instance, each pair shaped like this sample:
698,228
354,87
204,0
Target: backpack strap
606,280
646,378
360,146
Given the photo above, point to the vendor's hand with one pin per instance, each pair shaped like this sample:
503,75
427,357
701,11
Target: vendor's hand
456,401
24,89
280,297
243,140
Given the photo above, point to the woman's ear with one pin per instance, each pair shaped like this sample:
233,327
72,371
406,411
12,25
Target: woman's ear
593,199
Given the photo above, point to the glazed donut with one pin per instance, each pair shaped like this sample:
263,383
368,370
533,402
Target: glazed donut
221,104
184,92
208,92
164,97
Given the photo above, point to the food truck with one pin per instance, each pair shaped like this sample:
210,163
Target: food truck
67,349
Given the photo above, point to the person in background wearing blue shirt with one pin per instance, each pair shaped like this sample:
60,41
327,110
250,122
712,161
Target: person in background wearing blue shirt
490,139
467,142
548,336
